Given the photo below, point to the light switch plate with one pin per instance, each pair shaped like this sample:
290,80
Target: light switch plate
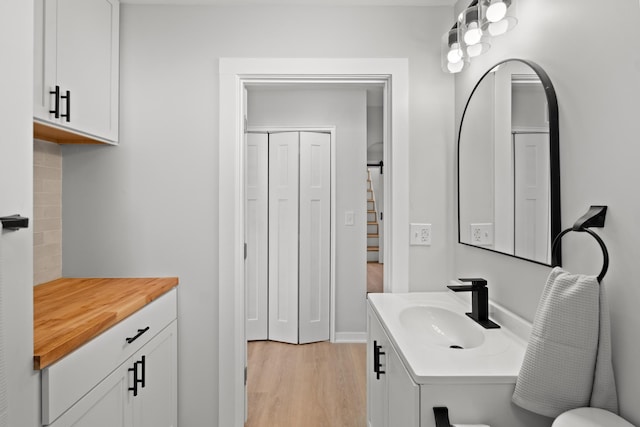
348,218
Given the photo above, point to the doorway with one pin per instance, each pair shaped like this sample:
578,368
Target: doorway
235,74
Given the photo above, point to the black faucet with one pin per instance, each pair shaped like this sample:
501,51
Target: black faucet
479,300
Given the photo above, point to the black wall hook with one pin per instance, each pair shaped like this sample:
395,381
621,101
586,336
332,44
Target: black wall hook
594,217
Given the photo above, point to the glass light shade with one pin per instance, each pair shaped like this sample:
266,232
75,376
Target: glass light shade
497,16
470,26
455,67
452,56
477,49
496,10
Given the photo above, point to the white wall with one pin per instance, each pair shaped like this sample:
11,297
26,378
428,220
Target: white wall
597,80
347,110
375,119
150,206
19,383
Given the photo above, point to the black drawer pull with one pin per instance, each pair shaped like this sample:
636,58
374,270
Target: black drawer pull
377,366
140,332
56,108
136,380
67,96
144,370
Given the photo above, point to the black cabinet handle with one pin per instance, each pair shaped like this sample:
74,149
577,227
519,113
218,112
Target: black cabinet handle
136,336
56,109
144,371
377,366
14,222
134,389
67,116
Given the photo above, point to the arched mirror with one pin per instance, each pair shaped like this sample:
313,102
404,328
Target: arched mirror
509,165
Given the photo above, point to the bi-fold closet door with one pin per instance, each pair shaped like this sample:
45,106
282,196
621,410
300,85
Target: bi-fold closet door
287,228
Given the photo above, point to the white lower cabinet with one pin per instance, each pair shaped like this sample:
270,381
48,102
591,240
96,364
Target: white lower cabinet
139,390
393,399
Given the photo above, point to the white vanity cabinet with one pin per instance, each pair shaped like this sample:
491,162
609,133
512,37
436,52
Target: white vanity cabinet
76,62
393,398
125,377
474,382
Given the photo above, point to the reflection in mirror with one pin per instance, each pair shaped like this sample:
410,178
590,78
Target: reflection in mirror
508,163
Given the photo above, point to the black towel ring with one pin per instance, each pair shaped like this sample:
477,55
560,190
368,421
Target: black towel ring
605,253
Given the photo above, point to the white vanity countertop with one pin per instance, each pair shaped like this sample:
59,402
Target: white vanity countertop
496,360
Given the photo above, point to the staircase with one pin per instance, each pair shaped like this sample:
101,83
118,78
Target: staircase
373,236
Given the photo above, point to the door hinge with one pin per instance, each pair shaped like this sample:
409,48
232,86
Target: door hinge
380,216
246,124
245,375
245,251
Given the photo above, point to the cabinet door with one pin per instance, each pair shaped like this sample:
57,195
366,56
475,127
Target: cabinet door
77,49
376,383
403,393
156,403
107,405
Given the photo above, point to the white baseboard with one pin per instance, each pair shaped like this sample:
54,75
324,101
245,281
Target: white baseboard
350,337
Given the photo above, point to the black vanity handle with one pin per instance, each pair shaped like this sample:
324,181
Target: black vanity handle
56,108
441,416
377,366
136,336
67,116
136,380
14,222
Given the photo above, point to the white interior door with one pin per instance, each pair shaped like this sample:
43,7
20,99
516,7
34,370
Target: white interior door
256,236
531,188
283,236
315,236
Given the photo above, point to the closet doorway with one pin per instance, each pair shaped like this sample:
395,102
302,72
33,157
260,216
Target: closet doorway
288,233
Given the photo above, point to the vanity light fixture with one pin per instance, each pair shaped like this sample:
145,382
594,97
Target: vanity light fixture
470,35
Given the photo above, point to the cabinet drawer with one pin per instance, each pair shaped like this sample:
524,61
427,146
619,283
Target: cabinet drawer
67,380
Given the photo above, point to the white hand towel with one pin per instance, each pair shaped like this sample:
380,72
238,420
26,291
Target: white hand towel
567,363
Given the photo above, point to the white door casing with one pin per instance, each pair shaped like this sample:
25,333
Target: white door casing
235,74
256,234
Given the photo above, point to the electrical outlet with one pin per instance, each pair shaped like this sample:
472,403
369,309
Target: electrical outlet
482,234
420,234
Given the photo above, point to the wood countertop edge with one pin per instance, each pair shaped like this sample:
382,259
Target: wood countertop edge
45,354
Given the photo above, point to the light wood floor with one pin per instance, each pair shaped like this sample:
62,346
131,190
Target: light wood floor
309,385
374,277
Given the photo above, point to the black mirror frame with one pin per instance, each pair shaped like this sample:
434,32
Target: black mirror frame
554,159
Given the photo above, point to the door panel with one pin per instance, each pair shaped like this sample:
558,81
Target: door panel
315,182
532,215
283,237
256,235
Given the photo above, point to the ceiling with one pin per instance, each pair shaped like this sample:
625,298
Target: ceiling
300,2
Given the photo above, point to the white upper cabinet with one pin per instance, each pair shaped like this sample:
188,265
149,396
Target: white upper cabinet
76,67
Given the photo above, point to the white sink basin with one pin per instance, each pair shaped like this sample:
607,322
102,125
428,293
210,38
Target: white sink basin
442,327
424,326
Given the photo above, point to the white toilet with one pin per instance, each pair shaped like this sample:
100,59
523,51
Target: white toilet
590,417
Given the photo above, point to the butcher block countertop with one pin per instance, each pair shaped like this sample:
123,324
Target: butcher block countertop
69,312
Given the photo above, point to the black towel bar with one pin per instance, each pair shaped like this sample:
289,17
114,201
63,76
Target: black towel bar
593,218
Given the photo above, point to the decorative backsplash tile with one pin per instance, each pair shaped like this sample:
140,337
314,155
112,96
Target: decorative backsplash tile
47,211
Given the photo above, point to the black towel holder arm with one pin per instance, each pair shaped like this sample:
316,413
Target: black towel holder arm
593,218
